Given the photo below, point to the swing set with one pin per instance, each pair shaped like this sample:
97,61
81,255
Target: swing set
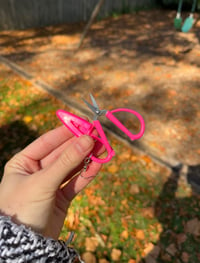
189,21
178,23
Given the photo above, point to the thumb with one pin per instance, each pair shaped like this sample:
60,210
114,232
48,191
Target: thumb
68,161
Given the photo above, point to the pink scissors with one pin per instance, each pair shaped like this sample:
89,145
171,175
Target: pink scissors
79,126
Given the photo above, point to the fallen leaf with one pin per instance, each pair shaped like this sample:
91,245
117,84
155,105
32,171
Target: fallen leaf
124,202
124,234
148,212
132,261
140,234
155,251
134,158
124,156
27,119
148,248
88,257
116,254
147,159
104,238
103,260
134,189
86,77
113,168
171,249
181,238
91,243
72,221
166,257
185,257
193,227
150,259
168,76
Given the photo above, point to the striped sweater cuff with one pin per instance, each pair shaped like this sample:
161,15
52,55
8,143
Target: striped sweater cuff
19,244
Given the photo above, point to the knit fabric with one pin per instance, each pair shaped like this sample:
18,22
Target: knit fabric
19,244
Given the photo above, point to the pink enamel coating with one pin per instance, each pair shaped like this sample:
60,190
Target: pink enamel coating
104,140
79,126
75,124
113,119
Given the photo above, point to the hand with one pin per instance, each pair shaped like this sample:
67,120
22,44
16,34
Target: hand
31,192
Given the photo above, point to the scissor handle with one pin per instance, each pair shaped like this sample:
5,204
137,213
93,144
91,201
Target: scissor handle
112,118
79,126
104,141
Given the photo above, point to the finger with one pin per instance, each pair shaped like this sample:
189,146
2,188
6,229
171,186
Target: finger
55,154
46,143
53,175
80,181
96,151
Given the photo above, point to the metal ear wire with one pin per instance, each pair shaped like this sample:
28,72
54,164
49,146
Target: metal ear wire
87,161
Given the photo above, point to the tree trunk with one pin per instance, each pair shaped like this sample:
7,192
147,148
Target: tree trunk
92,18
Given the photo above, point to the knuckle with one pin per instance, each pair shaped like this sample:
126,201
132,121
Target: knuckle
67,159
11,163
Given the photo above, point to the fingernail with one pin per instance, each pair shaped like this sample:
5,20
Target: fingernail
84,143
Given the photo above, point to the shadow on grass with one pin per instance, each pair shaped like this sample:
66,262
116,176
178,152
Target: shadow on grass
14,137
179,218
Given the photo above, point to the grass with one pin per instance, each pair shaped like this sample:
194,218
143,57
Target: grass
130,208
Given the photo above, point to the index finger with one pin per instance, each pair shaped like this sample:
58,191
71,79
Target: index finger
47,143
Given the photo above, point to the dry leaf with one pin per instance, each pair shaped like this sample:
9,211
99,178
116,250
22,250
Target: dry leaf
140,234
72,220
124,234
151,252
193,227
88,257
124,156
113,168
103,260
148,248
132,261
167,257
91,243
181,238
171,249
124,202
134,158
148,212
134,189
27,119
150,259
146,159
155,252
185,257
115,254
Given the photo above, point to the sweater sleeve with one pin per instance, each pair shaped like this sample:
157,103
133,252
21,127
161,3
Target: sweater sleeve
19,244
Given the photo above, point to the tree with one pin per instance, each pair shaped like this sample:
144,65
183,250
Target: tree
91,20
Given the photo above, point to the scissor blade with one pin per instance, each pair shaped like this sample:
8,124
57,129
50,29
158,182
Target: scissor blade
90,106
94,102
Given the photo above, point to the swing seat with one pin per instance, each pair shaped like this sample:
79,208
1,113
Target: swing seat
187,24
177,23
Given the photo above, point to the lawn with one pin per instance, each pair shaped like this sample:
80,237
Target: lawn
134,208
